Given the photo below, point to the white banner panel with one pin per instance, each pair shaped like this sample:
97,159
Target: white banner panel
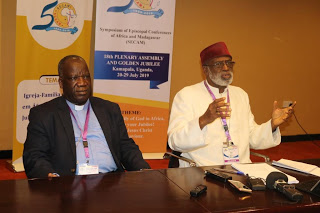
133,54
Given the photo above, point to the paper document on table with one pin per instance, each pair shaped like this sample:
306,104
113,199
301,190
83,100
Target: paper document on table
294,165
316,172
260,170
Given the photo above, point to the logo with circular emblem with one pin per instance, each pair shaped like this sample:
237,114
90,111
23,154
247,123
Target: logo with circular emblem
64,15
144,7
146,4
55,25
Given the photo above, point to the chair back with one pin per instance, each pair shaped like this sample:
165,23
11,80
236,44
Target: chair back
173,161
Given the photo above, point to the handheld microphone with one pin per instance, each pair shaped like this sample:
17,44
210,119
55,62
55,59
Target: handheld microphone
278,181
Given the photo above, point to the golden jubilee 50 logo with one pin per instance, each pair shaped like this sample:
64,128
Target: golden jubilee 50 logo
146,4
64,15
55,24
144,7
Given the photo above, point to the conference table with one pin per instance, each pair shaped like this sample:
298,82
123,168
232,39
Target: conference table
165,190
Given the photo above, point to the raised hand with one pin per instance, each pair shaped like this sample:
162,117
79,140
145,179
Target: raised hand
218,108
280,115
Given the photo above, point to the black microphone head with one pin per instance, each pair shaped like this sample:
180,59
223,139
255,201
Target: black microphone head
273,177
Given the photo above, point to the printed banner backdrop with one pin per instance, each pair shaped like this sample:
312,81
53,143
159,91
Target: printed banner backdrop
133,54
46,31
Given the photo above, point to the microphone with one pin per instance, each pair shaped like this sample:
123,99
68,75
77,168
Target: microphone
278,181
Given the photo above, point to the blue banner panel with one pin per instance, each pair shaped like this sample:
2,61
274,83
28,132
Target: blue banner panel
153,67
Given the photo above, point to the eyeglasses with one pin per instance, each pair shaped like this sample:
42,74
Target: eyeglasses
75,78
220,64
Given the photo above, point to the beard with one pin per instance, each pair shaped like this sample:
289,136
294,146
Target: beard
219,80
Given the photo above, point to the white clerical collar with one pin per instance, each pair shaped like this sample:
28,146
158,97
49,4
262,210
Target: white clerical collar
78,107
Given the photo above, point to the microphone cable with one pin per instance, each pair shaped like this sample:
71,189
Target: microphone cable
309,136
306,133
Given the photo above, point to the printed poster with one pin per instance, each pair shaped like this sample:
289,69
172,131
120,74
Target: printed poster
46,31
133,57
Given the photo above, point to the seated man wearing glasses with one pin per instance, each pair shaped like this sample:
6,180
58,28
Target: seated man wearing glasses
211,122
76,133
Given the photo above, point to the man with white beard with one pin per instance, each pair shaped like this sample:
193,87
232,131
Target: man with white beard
211,122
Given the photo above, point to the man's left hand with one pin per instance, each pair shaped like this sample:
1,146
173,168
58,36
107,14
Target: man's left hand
279,115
